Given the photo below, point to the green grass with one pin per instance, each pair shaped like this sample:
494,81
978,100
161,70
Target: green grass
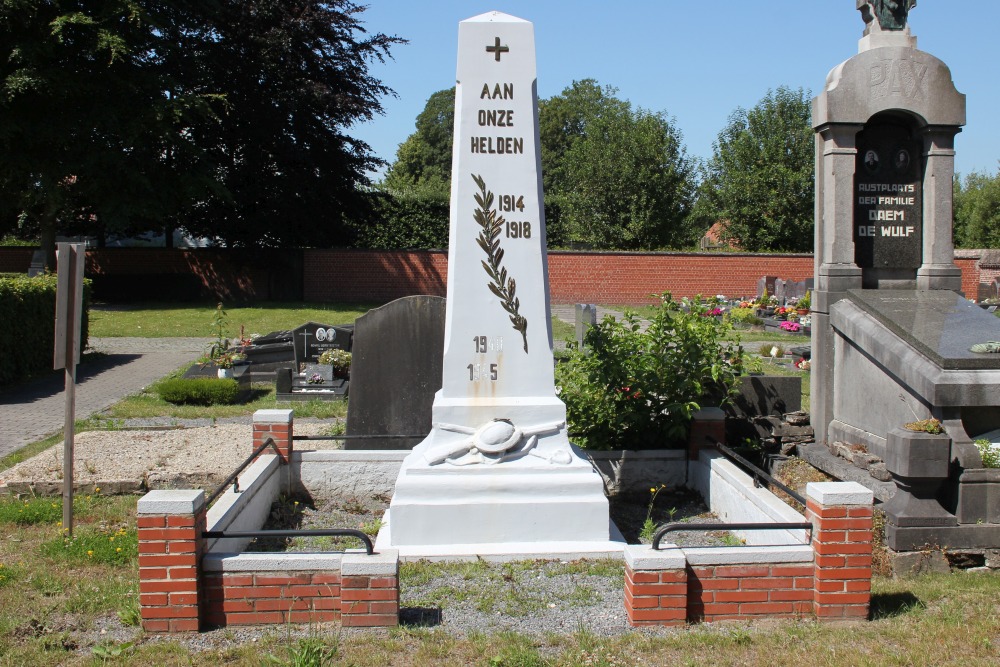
155,320
51,605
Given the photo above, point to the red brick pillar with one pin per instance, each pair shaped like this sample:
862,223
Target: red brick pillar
170,549
708,426
277,425
841,514
369,589
655,586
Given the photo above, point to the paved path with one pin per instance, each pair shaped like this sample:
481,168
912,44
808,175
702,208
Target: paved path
35,410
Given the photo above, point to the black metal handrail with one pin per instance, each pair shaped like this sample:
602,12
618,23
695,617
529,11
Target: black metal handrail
357,437
317,532
757,473
234,477
674,527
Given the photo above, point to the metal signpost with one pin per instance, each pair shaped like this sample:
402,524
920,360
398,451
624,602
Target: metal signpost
70,258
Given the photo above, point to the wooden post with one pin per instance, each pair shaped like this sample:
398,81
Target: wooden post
69,304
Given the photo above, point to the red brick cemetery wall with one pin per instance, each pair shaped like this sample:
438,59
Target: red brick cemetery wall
379,276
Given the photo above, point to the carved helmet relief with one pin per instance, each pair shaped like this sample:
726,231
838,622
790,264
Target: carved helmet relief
891,14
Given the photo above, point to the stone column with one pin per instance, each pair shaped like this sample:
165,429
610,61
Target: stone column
708,426
841,514
938,270
835,269
369,589
170,549
277,425
655,586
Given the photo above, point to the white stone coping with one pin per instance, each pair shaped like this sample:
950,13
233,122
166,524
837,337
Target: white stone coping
672,557
227,508
357,563
272,416
644,557
839,493
271,562
748,555
766,503
171,501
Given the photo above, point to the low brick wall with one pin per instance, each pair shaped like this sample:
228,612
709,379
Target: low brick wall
829,579
186,581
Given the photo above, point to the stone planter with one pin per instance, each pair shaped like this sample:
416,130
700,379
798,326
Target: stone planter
918,463
979,496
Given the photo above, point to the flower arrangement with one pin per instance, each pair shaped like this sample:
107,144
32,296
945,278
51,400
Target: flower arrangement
790,327
803,364
339,359
228,359
315,378
714,312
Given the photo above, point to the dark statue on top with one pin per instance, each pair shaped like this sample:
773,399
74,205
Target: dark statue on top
891,14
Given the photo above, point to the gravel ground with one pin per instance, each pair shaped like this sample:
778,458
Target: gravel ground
148,453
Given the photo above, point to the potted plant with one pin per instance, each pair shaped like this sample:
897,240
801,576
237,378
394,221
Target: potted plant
804,304
224,365
340,360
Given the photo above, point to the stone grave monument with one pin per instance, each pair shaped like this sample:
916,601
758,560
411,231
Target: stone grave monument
497,475
892,339
395,372
309,379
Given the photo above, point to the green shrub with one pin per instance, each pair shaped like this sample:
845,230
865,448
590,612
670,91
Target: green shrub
991,456
744,316
31,304
199,391
634,389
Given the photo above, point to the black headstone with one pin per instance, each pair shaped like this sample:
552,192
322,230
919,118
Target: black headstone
396,368
888,202
313,339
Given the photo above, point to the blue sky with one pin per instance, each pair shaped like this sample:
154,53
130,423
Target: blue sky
696,60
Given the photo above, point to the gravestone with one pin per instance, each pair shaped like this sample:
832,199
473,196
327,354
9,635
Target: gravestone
766,283
586,317
312,339
37,265
497,474
395,371
893,340
885,124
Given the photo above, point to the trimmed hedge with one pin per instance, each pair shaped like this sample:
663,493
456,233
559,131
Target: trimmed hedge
199,391
28,310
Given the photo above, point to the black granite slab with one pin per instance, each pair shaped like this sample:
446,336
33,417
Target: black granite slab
940,324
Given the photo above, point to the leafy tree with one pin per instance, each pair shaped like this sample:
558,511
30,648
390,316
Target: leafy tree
293,77
81,107
615,177
226,117
759,182
977,211
423,161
